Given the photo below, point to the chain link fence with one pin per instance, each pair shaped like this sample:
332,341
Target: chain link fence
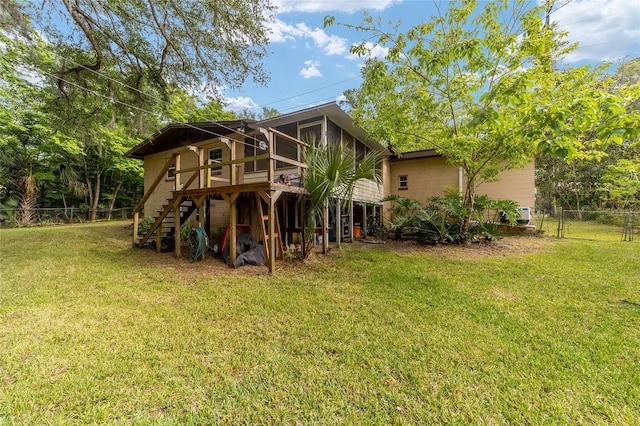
42,216
606,225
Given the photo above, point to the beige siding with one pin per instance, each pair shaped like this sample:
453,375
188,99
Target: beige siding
154,163
368,191
517,185
427,177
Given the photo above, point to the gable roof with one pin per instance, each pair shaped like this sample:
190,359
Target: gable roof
414,155
335,113
182,134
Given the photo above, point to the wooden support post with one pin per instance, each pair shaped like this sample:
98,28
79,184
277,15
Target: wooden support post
159,238
364,220
200,205
202,182
136,218
325,226
272,232
207,220
233,224
338,224
351,221
176,218
233,175
233,231
177,175
271,163
303,226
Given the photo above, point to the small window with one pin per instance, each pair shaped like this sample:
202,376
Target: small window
403,182
215,156
171,172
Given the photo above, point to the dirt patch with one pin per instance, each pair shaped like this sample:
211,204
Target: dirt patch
213,266
505,247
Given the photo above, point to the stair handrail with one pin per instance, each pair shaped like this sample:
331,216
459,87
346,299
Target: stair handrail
136,211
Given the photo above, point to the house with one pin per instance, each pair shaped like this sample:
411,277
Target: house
423,174
246,176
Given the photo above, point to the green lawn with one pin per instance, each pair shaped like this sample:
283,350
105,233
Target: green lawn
591,229
531,331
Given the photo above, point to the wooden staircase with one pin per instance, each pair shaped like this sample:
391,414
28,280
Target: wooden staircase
264,223
165,222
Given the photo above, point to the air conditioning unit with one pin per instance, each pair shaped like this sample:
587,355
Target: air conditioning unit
525,216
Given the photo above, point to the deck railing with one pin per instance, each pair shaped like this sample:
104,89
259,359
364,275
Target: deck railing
203,172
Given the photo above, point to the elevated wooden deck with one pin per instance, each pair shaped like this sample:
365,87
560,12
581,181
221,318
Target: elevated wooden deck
198,188
241,188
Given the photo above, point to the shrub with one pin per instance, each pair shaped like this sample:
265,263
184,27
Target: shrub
440,220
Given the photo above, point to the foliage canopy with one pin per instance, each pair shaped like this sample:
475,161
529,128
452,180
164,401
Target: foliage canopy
477,84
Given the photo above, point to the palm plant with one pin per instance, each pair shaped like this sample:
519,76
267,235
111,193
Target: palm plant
333,173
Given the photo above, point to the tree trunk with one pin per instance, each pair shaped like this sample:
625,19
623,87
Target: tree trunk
28,200
468,204
94,197
114,194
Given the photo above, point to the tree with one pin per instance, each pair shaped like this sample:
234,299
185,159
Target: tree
105,75
589,182
332,173
187,108
25,134
263,115
476,84
159,43
621,184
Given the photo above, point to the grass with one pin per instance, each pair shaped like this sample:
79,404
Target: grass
532,331
590,229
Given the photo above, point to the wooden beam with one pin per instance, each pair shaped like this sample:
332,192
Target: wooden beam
275,195
285,136
289,161
156,182
225,163
350,220
272,240
233,223
232,169
364,220
189,181
203,172
325,218
303,223
263,194
157,223
338,224
177,236
199,203
177,175
136,217
230,197
271,164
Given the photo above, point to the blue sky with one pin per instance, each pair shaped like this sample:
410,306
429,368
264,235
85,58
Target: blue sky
310,65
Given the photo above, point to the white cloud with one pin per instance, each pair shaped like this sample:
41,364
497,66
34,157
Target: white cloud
240,103
311,70
311,6
281,32
605,29
373,51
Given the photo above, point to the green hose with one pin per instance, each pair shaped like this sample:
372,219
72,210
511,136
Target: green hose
198,244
